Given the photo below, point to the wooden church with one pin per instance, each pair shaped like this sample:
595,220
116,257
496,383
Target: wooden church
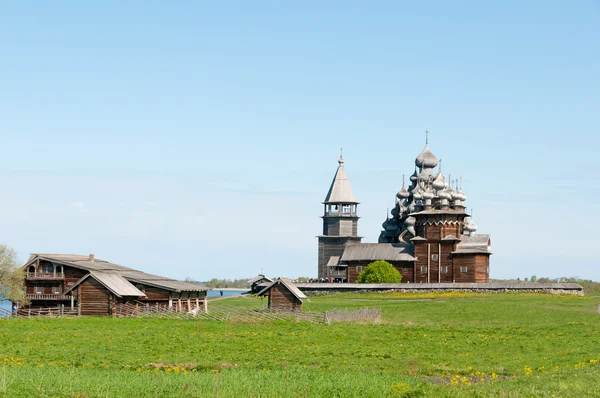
429,238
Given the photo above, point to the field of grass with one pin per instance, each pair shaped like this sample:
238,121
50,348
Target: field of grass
451,345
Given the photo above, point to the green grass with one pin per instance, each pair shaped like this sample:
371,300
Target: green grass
427,345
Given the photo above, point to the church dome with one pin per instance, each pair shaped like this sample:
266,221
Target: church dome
403,194
439,183
444,194
414,176
426,159
471,227
428,195
417,194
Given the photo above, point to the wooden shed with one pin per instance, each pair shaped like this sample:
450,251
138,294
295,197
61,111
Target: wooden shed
257,281
283,295
99,293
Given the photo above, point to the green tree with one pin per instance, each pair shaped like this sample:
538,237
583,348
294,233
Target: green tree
12,279
533,278
379,272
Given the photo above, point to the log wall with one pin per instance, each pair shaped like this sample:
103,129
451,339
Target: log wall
281,298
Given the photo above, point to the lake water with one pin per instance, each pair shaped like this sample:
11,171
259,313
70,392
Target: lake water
217,292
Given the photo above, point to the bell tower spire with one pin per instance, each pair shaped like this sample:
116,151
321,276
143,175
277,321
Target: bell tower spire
340,220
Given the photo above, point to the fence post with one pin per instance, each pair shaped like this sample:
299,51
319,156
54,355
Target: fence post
62,309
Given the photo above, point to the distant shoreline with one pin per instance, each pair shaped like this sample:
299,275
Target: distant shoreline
228,288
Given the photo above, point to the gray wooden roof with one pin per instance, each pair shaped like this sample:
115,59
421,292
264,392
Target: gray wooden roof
378,251
130,274
289,285
333,261
340,190
258,278
474,244
114,282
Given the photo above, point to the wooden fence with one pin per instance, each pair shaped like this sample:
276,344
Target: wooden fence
246,315
49,312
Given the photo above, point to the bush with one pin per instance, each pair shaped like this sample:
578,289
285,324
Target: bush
379,272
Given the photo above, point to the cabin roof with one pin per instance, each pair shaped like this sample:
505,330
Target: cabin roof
130,274
258,278
289,285
114,282
378,251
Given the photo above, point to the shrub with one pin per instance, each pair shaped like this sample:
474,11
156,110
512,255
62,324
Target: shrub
379,272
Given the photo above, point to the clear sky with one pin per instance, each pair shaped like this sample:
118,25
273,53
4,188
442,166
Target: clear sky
199,138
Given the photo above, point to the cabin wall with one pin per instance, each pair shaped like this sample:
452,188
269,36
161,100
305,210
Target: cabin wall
94,298
282,299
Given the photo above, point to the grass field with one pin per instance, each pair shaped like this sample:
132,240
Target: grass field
452,344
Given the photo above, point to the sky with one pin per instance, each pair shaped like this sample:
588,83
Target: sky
198,139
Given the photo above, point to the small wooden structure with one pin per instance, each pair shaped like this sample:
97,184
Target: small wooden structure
256,281
283,295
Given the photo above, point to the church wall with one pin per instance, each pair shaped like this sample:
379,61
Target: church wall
332,246
404,267
446,260
477,268
346,227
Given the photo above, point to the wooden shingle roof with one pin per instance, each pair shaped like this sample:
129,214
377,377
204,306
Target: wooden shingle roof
132,275
114,282
289,285
340,190
378,251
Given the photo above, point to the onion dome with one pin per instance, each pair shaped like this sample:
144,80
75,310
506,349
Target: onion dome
471,227
411,207
428,195
414,176
439,183
395,211
418,193
426,159
459,195
410,221
444,194
391,225
403,193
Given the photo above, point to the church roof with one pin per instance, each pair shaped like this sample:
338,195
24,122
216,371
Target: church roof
473,244
340,190
378,251
333,261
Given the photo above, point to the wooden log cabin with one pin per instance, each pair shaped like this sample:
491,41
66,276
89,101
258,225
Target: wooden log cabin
283,295
96,286
429,236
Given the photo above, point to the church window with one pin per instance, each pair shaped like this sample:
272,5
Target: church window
434,257
444,269
463,268
424,269
406,269
359,268
346,209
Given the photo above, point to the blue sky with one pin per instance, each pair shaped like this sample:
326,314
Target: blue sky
196,139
